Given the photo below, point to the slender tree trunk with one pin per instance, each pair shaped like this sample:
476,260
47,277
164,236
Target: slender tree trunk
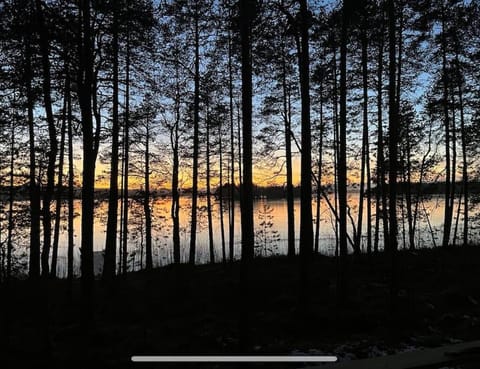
34,192
306,226
126,159
358,233
246,201
196,108
122,206
10,202
319,168
358,238
457,219
52,135
454,154
336,127
464,156
381,193
342,165
146,204
408,194
71,214
222,225
369,198
85,79
112,222
59,194
175,209
231,225
392,148
402,212
3,273
209,197
288,159
141,246
366,138
240,158
447,213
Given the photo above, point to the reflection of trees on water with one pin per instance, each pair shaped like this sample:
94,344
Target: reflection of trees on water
270,230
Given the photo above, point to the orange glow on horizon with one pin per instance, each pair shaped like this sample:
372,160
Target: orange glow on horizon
261,178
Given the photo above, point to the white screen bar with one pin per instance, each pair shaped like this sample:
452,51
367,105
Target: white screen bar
234,359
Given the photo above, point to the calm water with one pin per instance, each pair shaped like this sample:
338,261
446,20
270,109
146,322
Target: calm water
270,226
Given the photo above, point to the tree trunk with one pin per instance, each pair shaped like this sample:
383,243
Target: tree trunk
365,148
146,203
448,213
112,222
381,193
222,225
454,153
342,164
306,227
85,79
369,198
358,235
246,200
408,194
71,214
58,206
126,159
196,108
335,145
175,209
464,156
393,142
10,201
231,219
239,135
34,192
367,140
52,135
319,184
288,160
209,197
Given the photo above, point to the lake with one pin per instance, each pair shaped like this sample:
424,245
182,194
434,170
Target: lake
270,229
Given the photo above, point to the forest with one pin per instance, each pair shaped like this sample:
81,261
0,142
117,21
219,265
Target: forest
237,176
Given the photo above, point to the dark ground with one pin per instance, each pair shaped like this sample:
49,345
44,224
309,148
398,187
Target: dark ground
195,310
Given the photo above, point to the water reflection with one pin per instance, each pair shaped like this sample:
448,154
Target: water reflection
274,212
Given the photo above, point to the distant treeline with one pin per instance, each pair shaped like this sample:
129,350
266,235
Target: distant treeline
270,192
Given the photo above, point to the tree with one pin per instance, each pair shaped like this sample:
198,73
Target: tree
392,148
144,119
111,237
126,152
85,92
53,145
208,124
380,193
34,192
266,237
58,199
246,202
342,158
365,158
196,109
306,226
